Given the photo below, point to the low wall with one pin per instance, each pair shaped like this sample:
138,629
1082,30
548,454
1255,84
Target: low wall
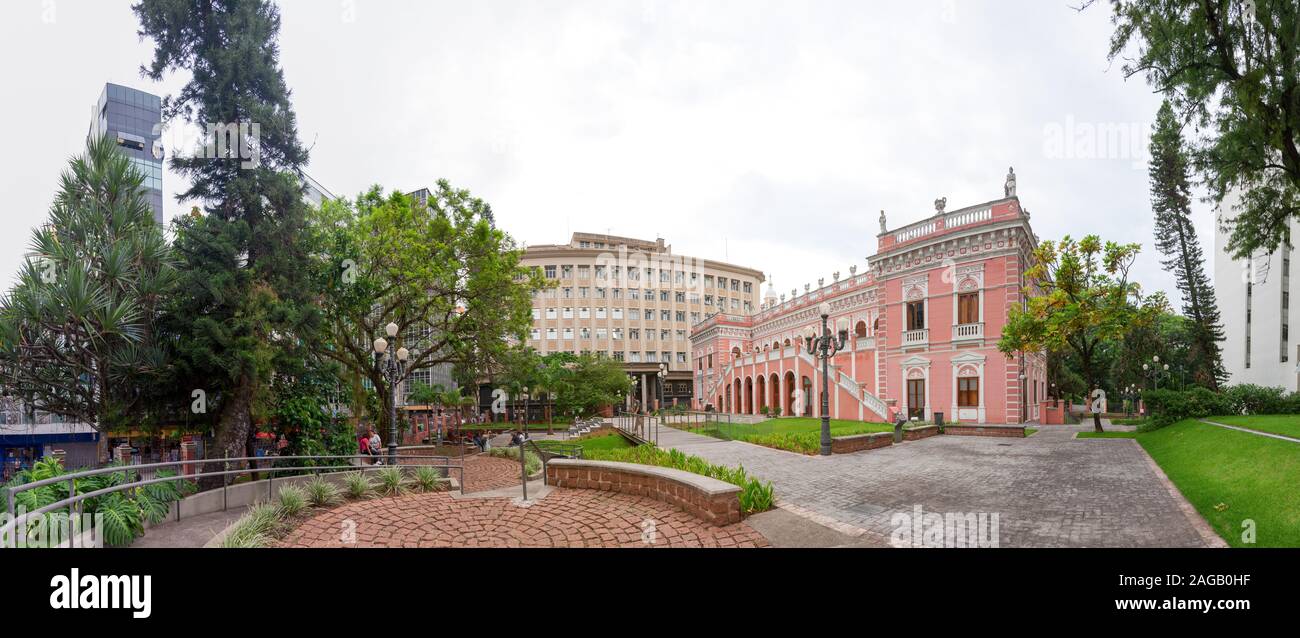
860,442
1013,431
922,432
708,499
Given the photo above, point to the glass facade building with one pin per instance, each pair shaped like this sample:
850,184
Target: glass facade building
134,120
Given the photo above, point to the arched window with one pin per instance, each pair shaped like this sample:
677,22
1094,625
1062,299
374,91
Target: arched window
860,330
875,326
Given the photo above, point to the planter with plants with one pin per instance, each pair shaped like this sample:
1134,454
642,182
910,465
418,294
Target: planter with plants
265,523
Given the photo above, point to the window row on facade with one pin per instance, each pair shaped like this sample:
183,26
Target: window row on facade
637,294
616,273
601,312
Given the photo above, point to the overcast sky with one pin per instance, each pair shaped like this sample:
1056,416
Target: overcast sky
768,134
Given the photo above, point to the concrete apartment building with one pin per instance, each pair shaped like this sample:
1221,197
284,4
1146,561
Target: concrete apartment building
635,301
1254,297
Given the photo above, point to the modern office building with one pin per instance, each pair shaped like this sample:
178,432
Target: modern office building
1254,298
134,119
920,329
635,301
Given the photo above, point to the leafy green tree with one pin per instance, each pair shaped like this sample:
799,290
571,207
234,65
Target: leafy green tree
583,384
450,281
300,415
1087,300
1171,197
1228,67
78,332
245,311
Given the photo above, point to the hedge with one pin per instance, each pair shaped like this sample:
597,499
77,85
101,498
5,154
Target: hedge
1171,406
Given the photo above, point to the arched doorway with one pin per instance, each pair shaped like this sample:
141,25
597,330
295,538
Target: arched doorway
806,384
760,390
748,407
727,403
736,393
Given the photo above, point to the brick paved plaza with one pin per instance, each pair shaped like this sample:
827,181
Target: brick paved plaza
562,518
1050,490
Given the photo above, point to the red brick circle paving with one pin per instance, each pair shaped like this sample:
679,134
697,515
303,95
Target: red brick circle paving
564,518
483,473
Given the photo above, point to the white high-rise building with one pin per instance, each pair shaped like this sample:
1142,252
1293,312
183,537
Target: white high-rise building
1261,343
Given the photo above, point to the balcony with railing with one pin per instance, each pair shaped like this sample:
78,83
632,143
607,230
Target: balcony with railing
968,332
916,337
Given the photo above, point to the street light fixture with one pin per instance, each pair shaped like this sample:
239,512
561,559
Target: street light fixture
825,347
663,372
394,369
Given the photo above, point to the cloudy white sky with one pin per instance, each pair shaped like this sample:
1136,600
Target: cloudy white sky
768,134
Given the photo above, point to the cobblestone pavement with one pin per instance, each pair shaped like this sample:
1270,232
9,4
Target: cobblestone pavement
483,473
1049,490
564,518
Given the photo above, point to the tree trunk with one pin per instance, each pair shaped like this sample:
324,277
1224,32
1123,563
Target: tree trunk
233,430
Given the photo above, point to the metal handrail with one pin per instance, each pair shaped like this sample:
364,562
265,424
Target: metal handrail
67,503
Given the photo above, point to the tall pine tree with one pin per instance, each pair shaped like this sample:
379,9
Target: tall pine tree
1176,240
245,310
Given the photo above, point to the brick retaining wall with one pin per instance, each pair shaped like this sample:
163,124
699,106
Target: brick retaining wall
1013,431
860,442
708,499
923,432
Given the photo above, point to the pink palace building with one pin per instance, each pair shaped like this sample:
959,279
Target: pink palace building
922,328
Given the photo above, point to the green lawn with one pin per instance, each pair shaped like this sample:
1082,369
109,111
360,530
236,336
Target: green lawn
1030,432
796,434
1284,424
1107,435
1230,477
589,444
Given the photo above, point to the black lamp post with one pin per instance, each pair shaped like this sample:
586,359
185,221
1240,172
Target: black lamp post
1154,369
825,347
663,371
393,369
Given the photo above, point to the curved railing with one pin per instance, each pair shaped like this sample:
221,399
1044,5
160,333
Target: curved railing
7,530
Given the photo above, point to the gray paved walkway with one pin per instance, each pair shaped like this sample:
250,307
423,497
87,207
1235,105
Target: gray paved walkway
1049,490
1250,431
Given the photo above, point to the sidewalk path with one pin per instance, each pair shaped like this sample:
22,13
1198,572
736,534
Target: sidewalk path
1049,490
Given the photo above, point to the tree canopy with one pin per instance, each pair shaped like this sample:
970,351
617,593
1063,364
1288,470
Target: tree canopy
1087,301
1229,68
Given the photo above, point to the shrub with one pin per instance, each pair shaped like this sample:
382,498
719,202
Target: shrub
1254,399
358,485
391,481
428,479
755,495
532,462
765,410
256,528
776,411
293,501
1171,406
322,493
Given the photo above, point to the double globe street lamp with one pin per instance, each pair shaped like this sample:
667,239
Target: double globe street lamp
393,369
825,347
1154,369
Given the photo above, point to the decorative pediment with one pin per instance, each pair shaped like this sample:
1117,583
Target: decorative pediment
916,361
968,358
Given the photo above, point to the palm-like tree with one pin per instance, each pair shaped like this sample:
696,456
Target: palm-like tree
78,331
